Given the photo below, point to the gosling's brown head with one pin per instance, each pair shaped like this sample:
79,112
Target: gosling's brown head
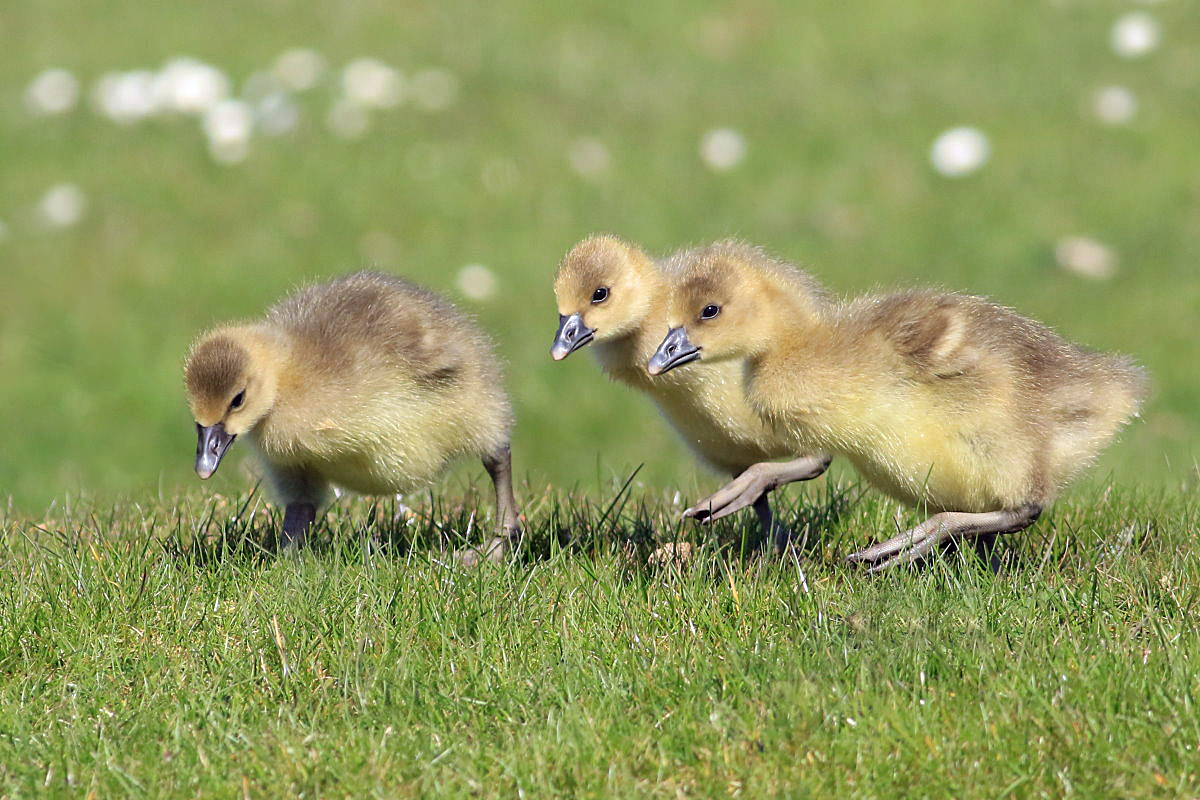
230,377
604,289
722,302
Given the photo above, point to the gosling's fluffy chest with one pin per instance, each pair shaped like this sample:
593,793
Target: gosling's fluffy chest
393,441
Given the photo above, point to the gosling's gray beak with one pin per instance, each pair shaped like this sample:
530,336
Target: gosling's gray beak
572,335
211,444
674,351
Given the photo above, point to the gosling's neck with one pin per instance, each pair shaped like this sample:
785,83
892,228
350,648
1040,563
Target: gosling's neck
619,355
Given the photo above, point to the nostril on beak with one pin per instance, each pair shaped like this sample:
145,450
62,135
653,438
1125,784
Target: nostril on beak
671,348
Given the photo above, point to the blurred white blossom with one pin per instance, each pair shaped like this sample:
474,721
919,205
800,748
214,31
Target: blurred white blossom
588,156
228,126
62,206
959,151
1086,257
722,149
1135,34
188,86
229,119
299,68
1114,105
54,91
476,282
372,84
126,97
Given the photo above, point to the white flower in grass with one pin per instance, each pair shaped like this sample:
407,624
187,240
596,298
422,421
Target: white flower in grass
230,119
1114,105
476,282
188,86
959,151
54,91
372,84
62,206
299,68
722,149
229,126
1086,257
126,97
588,156
1135,34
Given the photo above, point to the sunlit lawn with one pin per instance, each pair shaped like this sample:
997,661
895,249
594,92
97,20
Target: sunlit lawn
152,644
159,650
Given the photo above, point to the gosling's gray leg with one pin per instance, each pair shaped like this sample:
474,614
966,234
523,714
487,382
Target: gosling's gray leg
302,493
297,518
754,483
508,524
914,544
770,529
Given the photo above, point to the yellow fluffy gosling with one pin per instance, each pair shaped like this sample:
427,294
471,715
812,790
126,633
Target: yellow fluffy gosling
941,400
611,293
366,382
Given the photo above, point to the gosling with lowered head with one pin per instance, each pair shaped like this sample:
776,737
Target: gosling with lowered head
367,382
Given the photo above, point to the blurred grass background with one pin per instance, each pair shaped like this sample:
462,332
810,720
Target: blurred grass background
838,105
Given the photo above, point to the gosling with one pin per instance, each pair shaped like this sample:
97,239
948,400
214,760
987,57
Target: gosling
367,382
941,400
610,292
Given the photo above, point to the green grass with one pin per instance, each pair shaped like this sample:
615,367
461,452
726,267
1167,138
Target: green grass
838,104
157,649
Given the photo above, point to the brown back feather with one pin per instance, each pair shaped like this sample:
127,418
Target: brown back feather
372,315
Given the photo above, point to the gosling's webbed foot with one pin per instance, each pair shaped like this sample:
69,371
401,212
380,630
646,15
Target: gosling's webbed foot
915,544
754,482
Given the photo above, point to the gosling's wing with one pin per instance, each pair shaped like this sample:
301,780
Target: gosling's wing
933,335
370,320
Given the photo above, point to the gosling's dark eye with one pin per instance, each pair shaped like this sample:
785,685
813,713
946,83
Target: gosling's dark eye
710,311
237,400
600,295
